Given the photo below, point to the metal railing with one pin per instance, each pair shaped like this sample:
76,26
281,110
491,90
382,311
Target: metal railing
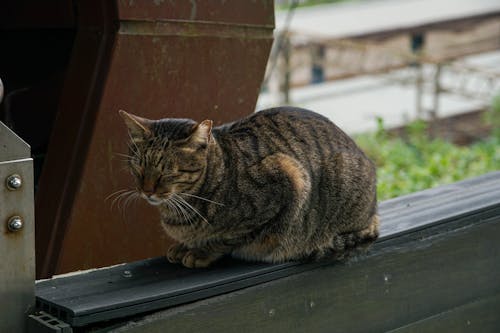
309,59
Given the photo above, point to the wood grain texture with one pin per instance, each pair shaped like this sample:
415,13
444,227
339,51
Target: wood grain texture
477,316
418,249
417,281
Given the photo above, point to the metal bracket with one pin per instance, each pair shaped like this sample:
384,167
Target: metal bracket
42,322
17,232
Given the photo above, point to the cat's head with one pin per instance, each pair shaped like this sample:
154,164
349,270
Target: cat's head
167,156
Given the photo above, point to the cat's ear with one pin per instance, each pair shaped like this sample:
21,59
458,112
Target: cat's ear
203,132
138,127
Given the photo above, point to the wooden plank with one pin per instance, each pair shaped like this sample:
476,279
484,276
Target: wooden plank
395,285
478,316
153,284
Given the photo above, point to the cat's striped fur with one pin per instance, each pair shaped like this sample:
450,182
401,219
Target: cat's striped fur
282,184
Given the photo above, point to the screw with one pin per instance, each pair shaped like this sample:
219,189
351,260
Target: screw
127,274
15,223
14,182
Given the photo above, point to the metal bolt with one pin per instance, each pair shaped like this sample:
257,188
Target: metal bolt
15,223
14,182
127,274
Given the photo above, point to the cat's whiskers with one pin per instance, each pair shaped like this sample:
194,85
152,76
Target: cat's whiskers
122,198
124,157
133,148
201,198
187,217
176,204
131,198
172,207
189,206
115,193
125,168
119,196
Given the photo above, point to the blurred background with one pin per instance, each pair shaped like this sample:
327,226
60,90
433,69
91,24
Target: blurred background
417,82
414,82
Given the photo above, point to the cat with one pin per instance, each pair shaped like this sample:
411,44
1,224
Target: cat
282,184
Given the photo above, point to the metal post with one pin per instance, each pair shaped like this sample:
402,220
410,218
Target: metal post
437,89
318,63
419,81
435,108
417,45
17,232
284,71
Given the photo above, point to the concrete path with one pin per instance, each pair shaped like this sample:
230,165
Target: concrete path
358,17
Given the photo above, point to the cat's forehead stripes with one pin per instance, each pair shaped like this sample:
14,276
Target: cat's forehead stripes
173,129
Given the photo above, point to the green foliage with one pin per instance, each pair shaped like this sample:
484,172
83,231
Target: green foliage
417,162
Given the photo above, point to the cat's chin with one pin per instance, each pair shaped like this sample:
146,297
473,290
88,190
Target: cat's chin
154,202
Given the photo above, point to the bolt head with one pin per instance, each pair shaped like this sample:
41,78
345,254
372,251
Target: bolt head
15,223
127,274
14,182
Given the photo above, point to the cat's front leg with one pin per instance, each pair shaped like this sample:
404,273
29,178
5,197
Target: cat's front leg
176,253
200,258
191,258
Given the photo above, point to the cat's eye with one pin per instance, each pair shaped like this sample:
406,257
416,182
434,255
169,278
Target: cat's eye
158,182
188,170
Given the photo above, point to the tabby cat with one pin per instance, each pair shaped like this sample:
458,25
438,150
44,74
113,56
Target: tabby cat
281,184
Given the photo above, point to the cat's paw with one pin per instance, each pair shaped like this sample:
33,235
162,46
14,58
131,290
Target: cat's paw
197,259
176,253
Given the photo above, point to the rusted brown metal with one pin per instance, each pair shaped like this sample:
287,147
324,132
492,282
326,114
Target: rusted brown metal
196,59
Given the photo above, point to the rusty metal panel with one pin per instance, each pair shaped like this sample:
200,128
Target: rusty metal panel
157,67
257,13
17,248
69,139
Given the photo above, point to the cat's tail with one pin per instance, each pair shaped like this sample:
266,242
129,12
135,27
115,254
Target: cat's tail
369,234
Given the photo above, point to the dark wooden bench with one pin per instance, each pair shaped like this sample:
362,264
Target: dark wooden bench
434,268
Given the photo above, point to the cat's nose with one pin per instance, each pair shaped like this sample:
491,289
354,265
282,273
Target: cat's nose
150,197
148,187
153,199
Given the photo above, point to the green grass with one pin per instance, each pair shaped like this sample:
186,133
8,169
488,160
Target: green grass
418,162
